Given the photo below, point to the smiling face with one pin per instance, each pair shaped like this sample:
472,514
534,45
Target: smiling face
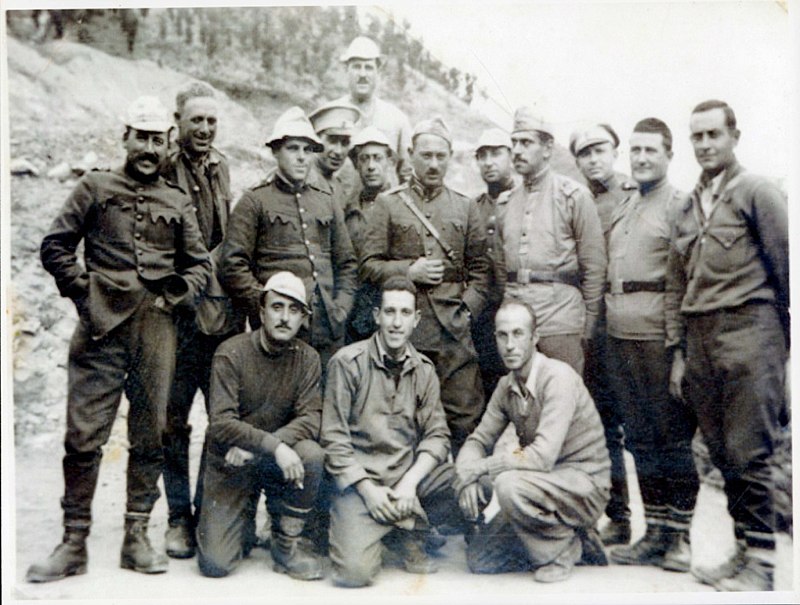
281,317
649,157
362,78
396,319
430,156
713,141
335,153
145,151
294,157
197,125
516,337
494,163
596,162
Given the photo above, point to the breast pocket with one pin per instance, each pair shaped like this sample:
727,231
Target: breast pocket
405,238
733,247
324,226
162,226
284,229
114,218
454,232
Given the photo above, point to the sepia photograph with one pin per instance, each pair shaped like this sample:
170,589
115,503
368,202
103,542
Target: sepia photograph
444,302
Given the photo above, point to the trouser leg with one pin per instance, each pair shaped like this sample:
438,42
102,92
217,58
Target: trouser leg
489,360
439,499
286,499
564,347
96,376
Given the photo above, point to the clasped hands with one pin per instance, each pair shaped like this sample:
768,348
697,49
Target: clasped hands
389,504
285,457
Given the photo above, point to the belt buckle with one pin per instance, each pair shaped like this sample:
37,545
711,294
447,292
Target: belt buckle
616,287
524,276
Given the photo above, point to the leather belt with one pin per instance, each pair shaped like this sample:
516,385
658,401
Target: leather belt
628,287
526,276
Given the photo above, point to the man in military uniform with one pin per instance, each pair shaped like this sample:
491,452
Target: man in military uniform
364,61
595,151
289,223
659,427
143,258
199,168
334,123
729,271
553,244
435,236
493,155
373,158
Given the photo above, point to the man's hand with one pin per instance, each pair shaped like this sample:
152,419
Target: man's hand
236,456
676,375
468,472
427,272
379,501
290,464
471,500
405,498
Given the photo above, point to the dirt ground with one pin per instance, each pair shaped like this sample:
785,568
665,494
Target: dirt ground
38,529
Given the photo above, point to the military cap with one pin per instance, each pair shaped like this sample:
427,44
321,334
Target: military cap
336,118
493,137
293,123
600,133
362,48
287,284
365,136
525,120
149,115
435,126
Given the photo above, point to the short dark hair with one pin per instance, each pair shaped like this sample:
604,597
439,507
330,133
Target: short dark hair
730,117
398,283
195,89
655,126
515,302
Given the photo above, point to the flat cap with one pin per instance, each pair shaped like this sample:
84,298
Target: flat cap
362,48
149,115
493,137
287,284
336,118
293,123
435,126
600,133
526,120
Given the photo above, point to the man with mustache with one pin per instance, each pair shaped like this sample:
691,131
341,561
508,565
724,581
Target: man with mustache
363,63
199,168
386,444
292,223
728,288
143,258
434,236
553,244
335,124
595,151
262,435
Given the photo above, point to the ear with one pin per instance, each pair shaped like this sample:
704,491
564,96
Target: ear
375,313
736,133
417,317
177,116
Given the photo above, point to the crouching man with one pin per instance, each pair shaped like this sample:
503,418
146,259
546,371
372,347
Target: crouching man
552,489
386,444
263,425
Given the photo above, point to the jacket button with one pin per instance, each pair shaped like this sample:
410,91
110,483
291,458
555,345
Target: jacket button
139,252
305,226
314,274
308,243
138,236
139,217
196,188
302,209
491,231
140,198
310,257
428,252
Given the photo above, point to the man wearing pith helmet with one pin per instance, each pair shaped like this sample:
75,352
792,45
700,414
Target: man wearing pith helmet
334,122
363,63
291,223
553,244
434,236
493,155
143,258
374,160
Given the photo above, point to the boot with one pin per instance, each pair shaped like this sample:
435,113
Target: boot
728,569
616,531
68,559
287,556
415,558
647,551
755,575
137,554
561,567
179,539
679,552
591,546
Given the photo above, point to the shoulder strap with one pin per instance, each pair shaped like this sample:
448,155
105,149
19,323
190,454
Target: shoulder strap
427,224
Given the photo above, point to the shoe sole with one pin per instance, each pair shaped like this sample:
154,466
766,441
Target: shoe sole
655,561
180,554
128,564
277,567
41,579
675,566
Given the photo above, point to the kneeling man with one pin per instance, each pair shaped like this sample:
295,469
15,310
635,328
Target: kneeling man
553,488
263,425
386,444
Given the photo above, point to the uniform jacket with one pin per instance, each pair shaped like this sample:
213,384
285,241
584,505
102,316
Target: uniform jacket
277,228
738,255
137,236
607,196
396,239
487,206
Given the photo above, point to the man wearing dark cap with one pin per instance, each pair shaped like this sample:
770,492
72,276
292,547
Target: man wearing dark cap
335,124
291,223
199,168
435,236
641,343
262,435
729,271
553,244
493,155
595,151
143,258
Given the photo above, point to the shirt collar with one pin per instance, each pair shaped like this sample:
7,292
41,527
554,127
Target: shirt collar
383,354
532,181
209,159
272,349
426,193
285,184
523,391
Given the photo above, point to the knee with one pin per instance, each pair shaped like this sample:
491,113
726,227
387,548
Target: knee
354,574
506,486
214,564
311,453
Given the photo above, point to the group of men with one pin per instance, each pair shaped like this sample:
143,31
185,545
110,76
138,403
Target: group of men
396,329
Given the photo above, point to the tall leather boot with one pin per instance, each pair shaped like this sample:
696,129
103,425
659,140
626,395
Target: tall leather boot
68,559
287,556
137,552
